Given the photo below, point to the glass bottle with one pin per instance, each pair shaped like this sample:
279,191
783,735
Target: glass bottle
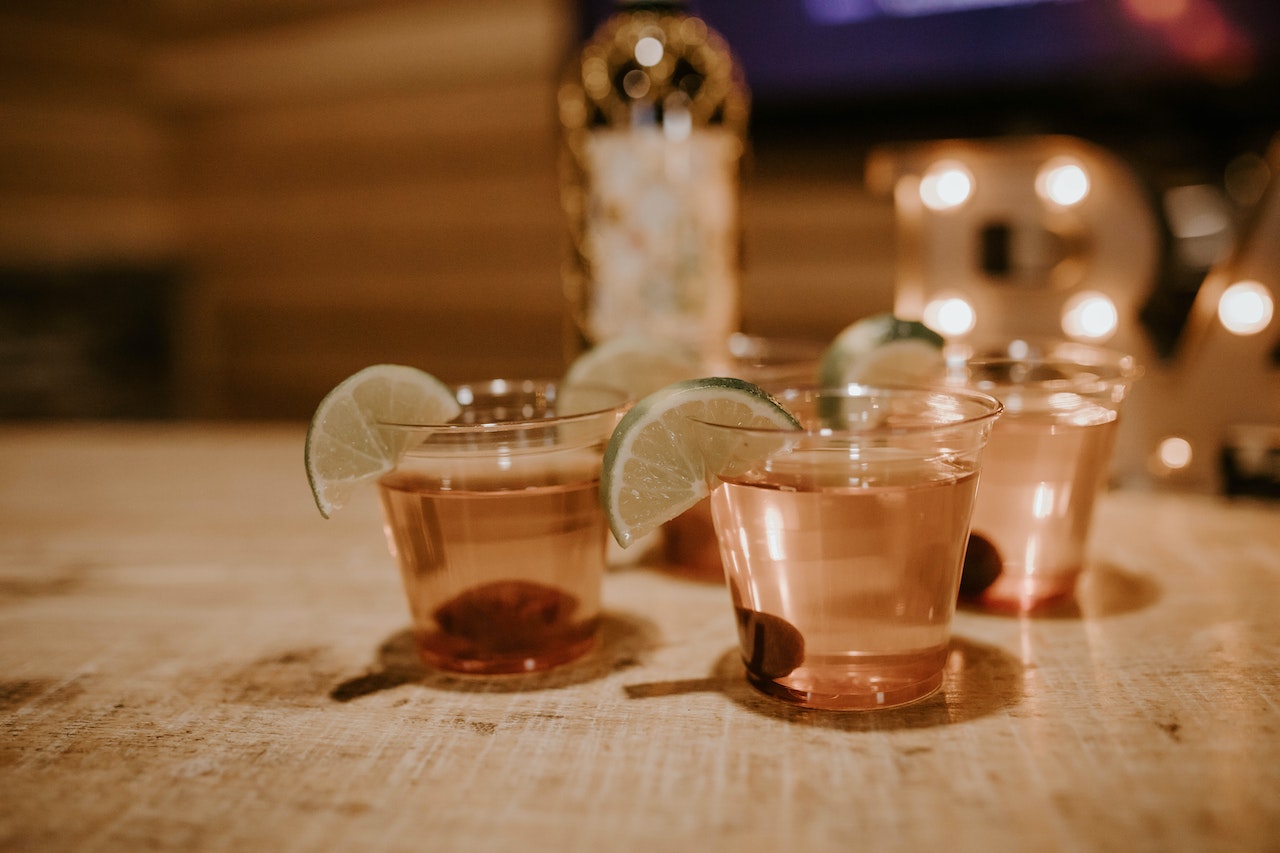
654,116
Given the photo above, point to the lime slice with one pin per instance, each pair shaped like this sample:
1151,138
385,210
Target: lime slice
884,350
654,468
345,447
633,364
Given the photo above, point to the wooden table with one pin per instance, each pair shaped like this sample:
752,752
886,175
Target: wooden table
192,659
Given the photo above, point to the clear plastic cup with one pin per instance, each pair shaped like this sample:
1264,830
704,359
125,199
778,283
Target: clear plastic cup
496,524
843,542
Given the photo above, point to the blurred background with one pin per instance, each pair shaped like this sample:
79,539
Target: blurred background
220,208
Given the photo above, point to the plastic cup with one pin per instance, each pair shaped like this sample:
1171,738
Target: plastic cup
495,522
843,542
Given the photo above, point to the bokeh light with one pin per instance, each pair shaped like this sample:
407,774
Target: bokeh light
946,185
1063,181
1091,316
1157,11
1246,308
1174,452
950,316
649,51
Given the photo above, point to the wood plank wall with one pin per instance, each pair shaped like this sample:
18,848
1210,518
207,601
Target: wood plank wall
345,182
82,156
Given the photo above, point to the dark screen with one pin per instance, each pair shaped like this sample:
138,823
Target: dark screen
1208,69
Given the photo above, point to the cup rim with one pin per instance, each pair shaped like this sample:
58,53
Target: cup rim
527,385
1042,350
993,409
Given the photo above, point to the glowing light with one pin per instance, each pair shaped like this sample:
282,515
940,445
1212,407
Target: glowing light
595,77
649,51
677,121
1209,39
1090,315
950,316
1063,182
1174,452
1246,308
946,185
635,83
1153,11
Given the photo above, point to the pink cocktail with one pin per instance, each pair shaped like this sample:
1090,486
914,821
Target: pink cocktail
1046,462
842,543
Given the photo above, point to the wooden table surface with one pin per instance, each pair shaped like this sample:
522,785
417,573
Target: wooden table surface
192,659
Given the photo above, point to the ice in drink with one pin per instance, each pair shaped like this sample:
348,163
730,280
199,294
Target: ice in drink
844,587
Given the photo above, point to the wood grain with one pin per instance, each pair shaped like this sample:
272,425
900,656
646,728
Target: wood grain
192,659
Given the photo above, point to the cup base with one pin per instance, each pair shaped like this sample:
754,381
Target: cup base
1013,593
854,687
441,652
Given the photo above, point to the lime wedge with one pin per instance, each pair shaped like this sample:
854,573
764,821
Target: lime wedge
653,467
345,447
884,350
633,364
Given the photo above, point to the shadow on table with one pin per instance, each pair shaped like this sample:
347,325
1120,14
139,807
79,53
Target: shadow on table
624,638
1103,590
980,680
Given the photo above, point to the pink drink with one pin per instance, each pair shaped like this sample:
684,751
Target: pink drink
502,576
1045,463
1039,481
844,584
